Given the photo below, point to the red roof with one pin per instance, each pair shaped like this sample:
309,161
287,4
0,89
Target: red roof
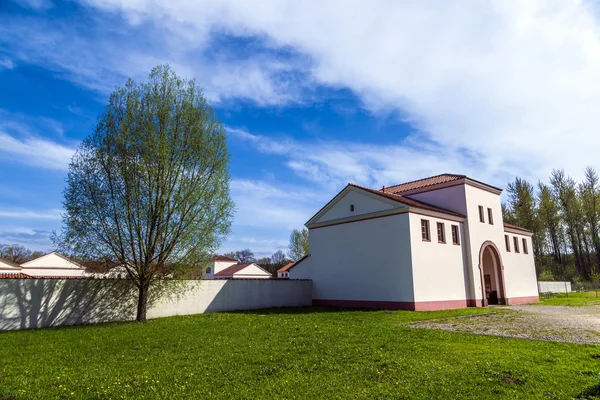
292,264
425,182
16,275
10,263
506,225
286,267
431,181
223,258
229,271
408,201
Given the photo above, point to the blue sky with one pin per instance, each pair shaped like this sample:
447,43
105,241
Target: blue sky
313,95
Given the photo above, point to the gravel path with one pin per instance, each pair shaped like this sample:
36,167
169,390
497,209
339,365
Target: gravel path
557,323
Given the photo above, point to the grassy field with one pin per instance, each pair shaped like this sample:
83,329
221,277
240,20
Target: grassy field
296,354
572,299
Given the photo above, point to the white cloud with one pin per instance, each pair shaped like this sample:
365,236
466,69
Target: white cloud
35,151
332,164
514,85
23,214
35,4
6,63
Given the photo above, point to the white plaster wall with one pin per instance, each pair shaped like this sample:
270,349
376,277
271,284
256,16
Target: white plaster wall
519,269
36,303
363,204
480,232
554,287
52,265
304,269
6,268
452,198
219,266
51,260
363,260
51,271
252,271
440,271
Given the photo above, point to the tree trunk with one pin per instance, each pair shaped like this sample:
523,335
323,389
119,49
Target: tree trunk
142,302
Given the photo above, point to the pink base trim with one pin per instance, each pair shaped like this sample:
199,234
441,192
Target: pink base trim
400,305
512,301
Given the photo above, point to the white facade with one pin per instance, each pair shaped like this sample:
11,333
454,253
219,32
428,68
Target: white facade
7,267
53,265
218,265
367,248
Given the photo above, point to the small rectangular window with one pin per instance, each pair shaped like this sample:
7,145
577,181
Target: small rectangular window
516,243
490,217
351,207
507,242
455,239
525,246
481,216
425,230
441,232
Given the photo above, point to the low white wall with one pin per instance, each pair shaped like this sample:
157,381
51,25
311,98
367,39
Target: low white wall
37,303
554,287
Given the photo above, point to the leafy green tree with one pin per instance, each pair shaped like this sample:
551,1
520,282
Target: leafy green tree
522,203
590,201
298,246
149,188
548,211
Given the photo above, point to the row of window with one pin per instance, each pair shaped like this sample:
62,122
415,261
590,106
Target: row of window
515,244
482,215
441,232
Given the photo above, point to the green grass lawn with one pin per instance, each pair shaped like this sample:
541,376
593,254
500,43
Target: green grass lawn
295,353
572,299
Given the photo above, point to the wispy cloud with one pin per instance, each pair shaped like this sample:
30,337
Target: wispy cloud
35,151
30,238
25,139
332,164
22,214
35,4
501,82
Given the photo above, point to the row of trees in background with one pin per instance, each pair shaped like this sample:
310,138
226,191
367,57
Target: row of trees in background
298,248
564,216
18,254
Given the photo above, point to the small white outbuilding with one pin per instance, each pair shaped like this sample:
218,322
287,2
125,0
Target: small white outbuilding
228,268
53,265
9,267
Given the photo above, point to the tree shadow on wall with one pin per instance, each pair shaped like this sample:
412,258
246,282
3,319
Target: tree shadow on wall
37,303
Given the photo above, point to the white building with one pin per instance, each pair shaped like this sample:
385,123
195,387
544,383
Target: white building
284,272
228,268
436,243
53,265
9,267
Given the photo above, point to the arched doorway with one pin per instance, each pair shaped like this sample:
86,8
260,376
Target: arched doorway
492,275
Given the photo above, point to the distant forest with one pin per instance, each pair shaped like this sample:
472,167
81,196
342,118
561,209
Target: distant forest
564,216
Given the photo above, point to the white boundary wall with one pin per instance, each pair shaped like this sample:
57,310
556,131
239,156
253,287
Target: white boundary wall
37,303
554,287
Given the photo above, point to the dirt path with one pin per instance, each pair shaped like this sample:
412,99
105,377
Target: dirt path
557,323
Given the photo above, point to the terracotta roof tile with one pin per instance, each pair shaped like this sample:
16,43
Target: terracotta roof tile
507,225
286,267
223,258
425,182
229,271
10,263
293,264
16,275
409,202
